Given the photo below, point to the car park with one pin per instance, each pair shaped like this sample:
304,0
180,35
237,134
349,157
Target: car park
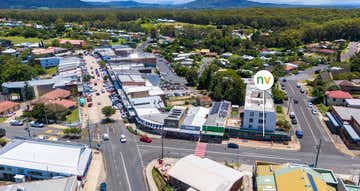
14,122
233,145
145,139
36,124
122,138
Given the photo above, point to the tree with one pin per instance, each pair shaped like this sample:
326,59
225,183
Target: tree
191,76
56,112
278,95
154,34
38,111
108,111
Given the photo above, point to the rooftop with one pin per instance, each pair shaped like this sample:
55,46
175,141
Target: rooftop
338,94
218,114
204,174
58,184
353,102
64,158
345,113
254,99
195,116
56,94
176,112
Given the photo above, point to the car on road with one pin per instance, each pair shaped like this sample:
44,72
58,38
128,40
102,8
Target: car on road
299,133
103,186
105,137
292,115
2,132
284,80
310,104
298,85
122,138
97,93
233,145
102,91
302,90
99,103
14,122
145,139
90,104
294,121
36,124
313,111
296,101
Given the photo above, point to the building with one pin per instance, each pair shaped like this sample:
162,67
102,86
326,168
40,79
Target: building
175,117
193,122
202,174
131,80
57,184
253,111
69,63
336,97
7,107
294,177
214,126
38,159
353,103
74,43
49,62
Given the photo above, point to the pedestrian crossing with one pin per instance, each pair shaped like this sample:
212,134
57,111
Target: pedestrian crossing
200,149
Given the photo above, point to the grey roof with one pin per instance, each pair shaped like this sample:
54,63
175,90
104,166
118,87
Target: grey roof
159,118
353,102
218,114
345,113
56,81
59,184
20,84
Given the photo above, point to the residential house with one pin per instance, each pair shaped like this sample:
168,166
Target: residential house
336,97
7,107
74,43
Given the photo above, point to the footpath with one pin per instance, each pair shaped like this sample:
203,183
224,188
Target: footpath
96,173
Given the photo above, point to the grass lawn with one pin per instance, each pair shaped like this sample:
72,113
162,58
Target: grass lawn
323,108
159,181
120,42
51,71
20,39
73,117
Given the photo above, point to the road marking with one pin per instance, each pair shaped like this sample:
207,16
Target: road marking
49,131
138,151
309,127
223,153
126,174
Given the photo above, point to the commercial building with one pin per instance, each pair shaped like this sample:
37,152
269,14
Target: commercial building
193,122
48,62
214,126
57,184
294,177
38,159
253,111
202,174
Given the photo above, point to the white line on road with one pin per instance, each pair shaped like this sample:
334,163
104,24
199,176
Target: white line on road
254,155
138,151
309,127
126,174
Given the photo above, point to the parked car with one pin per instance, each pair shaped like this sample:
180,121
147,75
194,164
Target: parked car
294,121
103,186
90,104
298,85
145,139
296,101
299,133
292,115
36,124
233,145
313,111
97,93
2,132
310,104
105,137
284,80
122,138
302,90
14,122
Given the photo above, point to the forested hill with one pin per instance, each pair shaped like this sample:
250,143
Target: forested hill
221,4
29,4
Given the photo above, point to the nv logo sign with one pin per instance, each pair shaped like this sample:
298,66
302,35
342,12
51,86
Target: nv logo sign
263,80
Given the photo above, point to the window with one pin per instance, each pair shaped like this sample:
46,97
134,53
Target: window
35,173
252,114
250,126
251,120
334,99
261,121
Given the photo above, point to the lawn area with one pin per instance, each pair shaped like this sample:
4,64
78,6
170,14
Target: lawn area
73,117
323,108
160,182
51,71
20,39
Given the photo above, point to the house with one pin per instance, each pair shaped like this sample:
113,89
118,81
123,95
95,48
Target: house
353,103
5,43
74,43
57,96
204,101
7,107
9,51
47,159
336,97
288,67
348,86
294,177
202,174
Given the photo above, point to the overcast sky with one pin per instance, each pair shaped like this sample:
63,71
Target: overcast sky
308,2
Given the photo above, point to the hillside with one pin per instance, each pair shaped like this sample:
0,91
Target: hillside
219,4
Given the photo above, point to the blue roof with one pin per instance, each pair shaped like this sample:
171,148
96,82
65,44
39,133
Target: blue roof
332,119
351,132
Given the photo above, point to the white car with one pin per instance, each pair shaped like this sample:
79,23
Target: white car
122,138
310,104
106,137
313,111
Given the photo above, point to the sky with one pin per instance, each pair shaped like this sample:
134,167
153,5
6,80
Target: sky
304,2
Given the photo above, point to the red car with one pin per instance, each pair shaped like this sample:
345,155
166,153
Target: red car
90,104
145,139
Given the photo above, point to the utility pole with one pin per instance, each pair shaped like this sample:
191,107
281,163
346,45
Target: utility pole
263,114
162,143
317,153
28,129
88,127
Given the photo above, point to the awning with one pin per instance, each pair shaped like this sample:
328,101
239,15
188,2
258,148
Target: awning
332,119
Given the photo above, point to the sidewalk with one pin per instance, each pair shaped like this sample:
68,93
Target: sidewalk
148,172
150,135
293,145
96,172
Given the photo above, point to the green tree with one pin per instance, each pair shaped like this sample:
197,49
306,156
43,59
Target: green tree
108,111
278,95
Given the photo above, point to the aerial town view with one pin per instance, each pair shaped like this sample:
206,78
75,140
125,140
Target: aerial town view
182,95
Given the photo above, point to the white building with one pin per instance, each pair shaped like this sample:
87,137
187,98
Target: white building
254,107
194,120
38,159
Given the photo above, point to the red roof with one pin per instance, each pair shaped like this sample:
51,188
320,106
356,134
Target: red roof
73,42
66,103
338,94
289,67
6,105
56,94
